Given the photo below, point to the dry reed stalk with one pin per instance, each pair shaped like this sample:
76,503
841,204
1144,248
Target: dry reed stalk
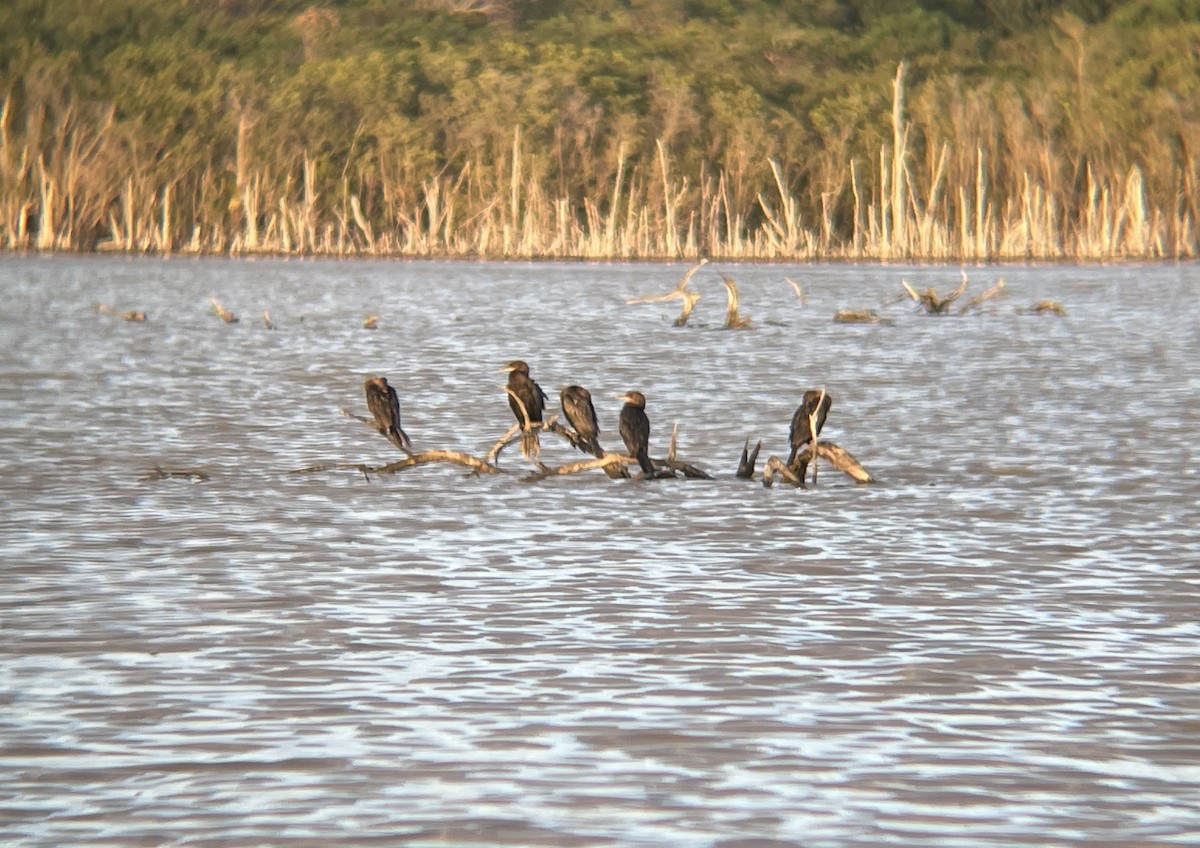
899,166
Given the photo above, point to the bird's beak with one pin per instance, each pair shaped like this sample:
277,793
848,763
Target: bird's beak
506,368
622,397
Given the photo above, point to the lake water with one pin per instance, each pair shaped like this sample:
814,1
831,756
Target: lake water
995,644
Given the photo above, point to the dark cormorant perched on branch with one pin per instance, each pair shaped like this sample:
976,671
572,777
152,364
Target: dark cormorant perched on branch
385,409
635,429
526,393
814,408
577,406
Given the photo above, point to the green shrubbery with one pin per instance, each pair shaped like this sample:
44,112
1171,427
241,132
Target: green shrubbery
738,128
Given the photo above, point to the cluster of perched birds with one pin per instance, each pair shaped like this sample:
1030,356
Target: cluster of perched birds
528,404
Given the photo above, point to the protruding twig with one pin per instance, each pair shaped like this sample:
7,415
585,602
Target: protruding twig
979,299
267,320
371,322
224,314
733,321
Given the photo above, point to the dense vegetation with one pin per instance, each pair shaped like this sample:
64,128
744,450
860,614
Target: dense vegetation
664,128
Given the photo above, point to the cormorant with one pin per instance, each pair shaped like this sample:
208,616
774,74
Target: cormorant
635,429
577,406
533,399
385,409
815,401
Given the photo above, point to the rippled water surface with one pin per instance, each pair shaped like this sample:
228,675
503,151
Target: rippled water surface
995,644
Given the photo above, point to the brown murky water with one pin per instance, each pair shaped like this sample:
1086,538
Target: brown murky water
997,644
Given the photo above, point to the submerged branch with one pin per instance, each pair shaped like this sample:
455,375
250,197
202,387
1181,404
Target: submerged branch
859,316
160,473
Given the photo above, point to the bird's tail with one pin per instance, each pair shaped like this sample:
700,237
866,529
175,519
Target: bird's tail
647,466
529,444
400,439
593,447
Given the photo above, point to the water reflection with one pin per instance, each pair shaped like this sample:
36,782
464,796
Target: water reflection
995,645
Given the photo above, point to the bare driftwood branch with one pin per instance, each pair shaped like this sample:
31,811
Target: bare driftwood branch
267,320
842,460
428,456
935,304
733,320
412,460
610,462
675,292
837,456
371,322
774,466
690,297
416,459
510,435
224,314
